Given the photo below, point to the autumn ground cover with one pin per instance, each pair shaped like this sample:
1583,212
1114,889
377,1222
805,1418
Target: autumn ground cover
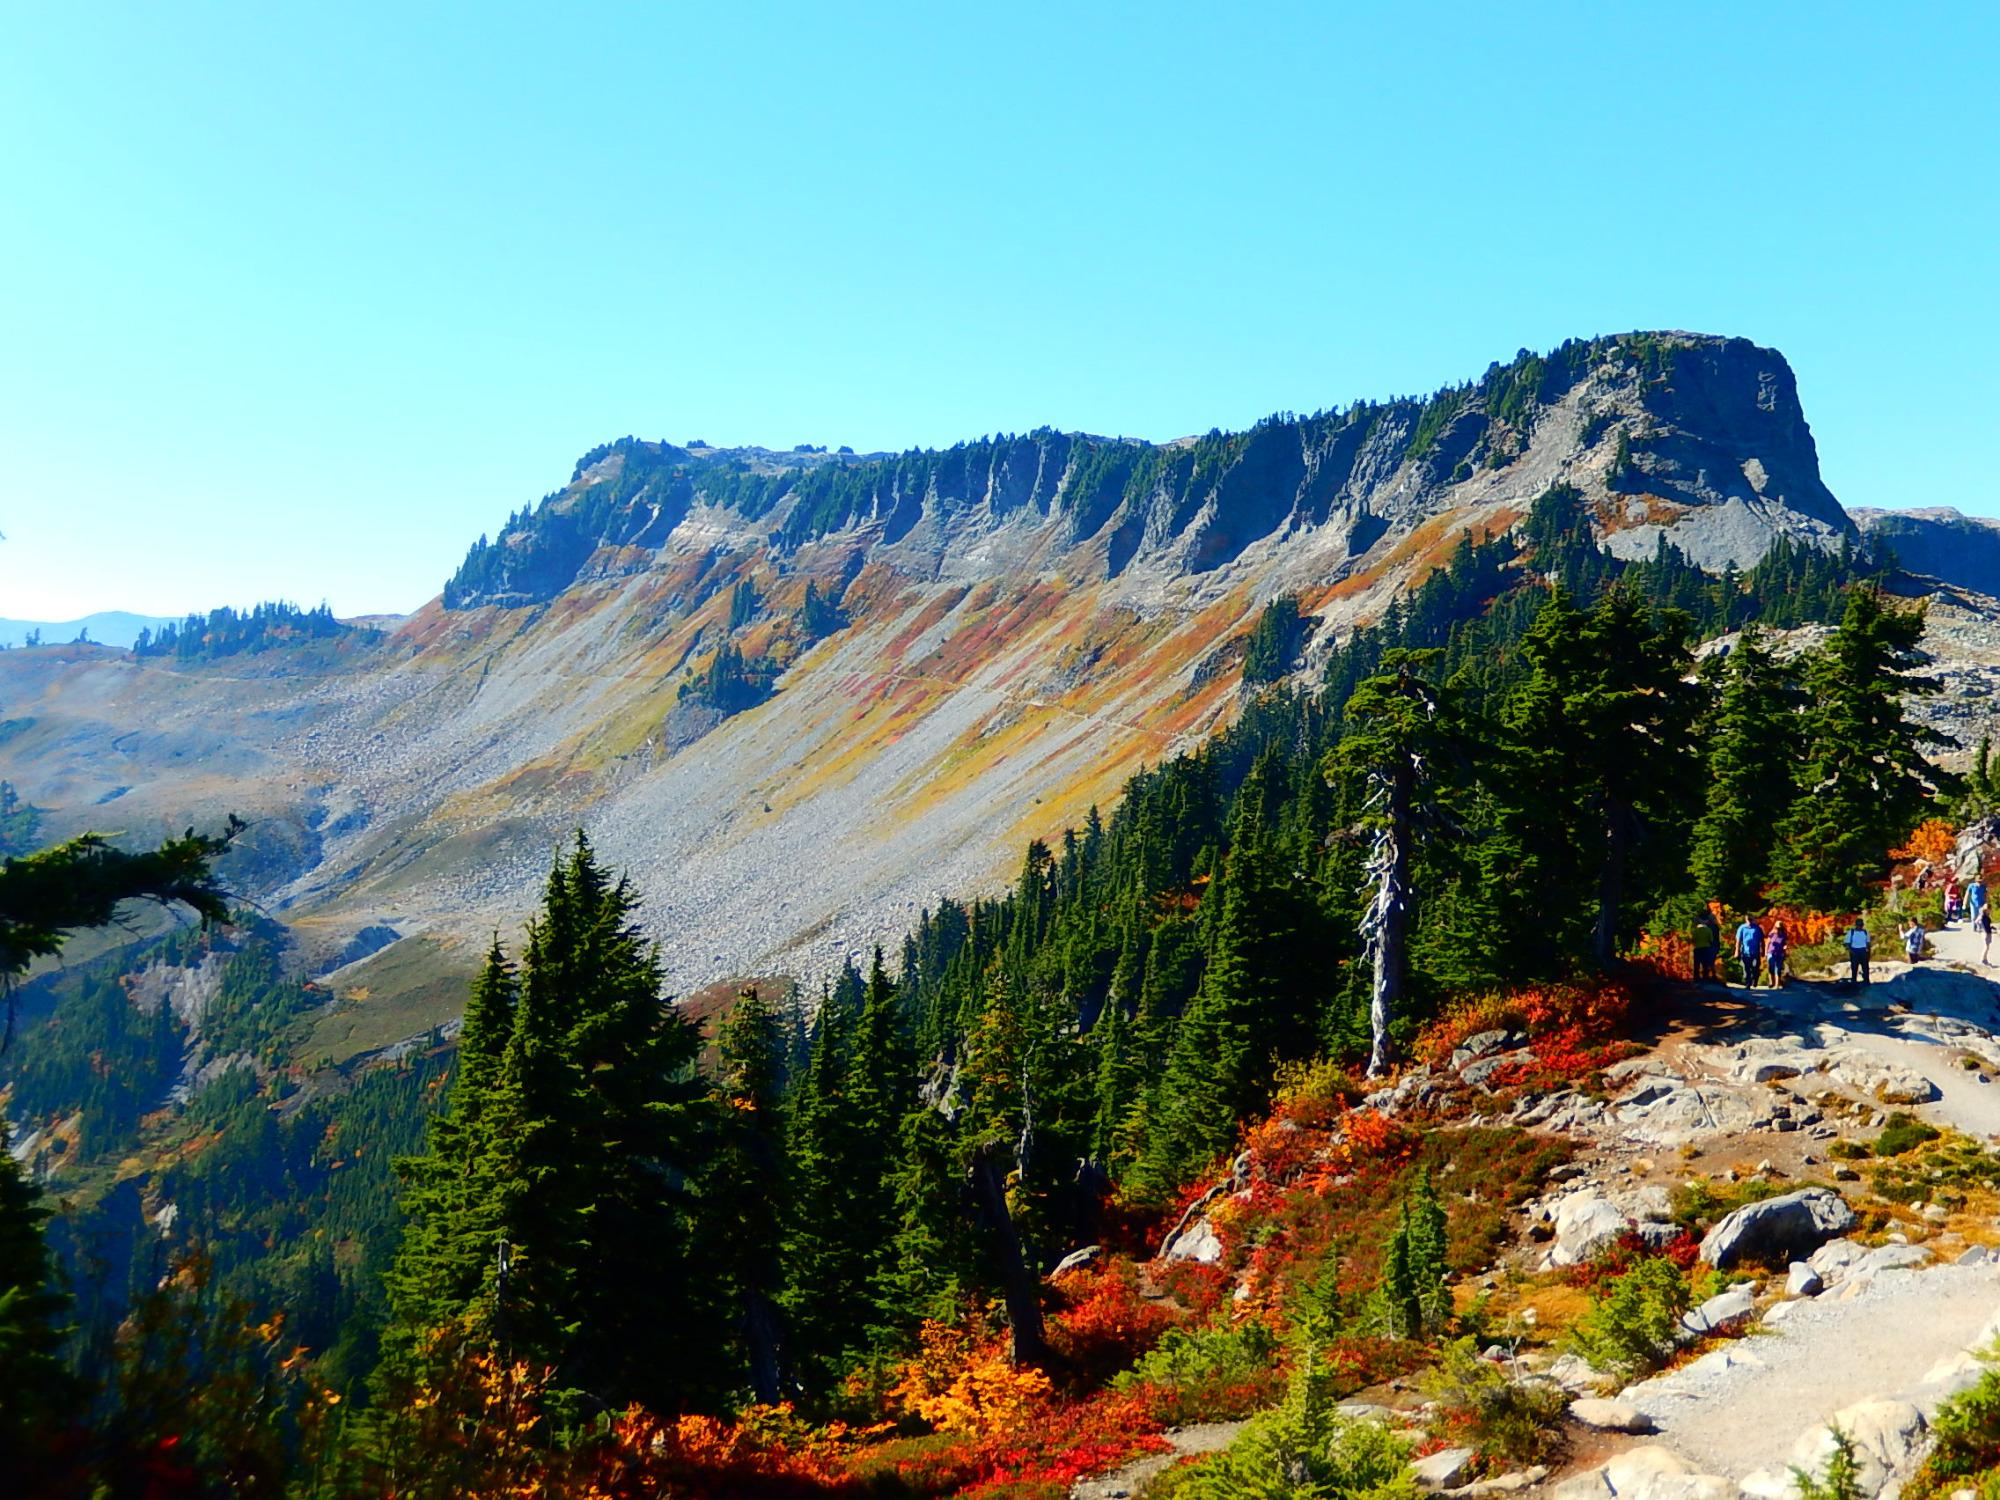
1306,1212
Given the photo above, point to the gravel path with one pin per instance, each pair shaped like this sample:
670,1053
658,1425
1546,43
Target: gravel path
1742,1407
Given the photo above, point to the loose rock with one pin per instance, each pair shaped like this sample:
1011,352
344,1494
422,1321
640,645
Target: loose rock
1443,1469
1610,1416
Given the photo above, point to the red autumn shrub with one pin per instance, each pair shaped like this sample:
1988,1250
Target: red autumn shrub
1626,1252
1198,1288
1599,1011
1104,1324
1041,1459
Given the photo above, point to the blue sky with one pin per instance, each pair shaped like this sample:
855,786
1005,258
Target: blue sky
296,301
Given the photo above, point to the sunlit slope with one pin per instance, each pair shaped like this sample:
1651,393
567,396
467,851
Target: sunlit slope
1018,629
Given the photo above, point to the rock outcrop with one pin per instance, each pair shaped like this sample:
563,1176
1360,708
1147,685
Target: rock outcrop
1782,1229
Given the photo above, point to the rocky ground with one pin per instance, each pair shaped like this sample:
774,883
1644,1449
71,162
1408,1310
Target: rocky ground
1870,1331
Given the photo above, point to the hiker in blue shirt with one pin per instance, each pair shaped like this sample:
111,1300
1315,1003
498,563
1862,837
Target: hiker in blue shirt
1975,898
1750,951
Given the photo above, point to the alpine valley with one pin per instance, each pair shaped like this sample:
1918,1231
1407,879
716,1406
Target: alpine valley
814,706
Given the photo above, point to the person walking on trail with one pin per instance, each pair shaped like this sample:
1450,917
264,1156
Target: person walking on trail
1952,896
1774,954
1707,943
1859,945
1913,941
1750,952
1984,927
1975,898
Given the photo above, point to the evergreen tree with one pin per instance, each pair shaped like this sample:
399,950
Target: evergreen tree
443,1276
1589,801
584,1145
1753,747
1429,1252
1401,736
38,1396
1398,1312
748,1191
1248,1012
1864,782
828,1261
1120,1076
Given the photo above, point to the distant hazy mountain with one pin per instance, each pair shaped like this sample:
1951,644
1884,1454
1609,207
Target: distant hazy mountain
109,627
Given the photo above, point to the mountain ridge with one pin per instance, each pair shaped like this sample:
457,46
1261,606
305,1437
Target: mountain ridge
1022,622
1196,503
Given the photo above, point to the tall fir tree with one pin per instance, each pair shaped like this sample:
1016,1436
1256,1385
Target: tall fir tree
831,1249
1590,795
749,1199
1753,748
441,1283
1864,782
586,1143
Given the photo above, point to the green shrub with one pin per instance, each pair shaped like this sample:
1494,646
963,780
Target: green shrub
1942,1170
1965,1433
1632,1323
1209,1371
1850,1151
1903,1133
1700,1201
1304,1448
1480,1403
1842,1480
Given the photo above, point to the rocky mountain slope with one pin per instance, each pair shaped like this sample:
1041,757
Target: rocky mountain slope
1939,541
800,695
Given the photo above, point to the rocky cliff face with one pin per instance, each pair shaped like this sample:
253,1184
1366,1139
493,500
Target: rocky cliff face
1941,543
800,695
1702,438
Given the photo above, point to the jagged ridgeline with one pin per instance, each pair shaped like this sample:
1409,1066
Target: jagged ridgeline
1661,406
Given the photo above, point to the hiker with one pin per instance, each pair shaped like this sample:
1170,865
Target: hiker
1774,954
1750,951
1975,898
1952,896
1858,946
1913,941
1707,941
1984,927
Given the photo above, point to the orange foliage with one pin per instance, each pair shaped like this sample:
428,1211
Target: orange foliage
478,1428
1934,842
1375,1137
964,1382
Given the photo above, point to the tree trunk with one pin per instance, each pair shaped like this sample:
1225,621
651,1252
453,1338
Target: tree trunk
1020,1289
760,1327
1611,886
1388,920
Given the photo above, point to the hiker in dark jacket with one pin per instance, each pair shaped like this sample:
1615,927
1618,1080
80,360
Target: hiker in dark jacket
1859,947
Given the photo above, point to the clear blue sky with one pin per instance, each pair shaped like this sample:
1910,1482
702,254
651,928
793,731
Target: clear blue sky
298,300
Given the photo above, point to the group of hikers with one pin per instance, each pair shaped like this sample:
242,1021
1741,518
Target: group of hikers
1763,951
